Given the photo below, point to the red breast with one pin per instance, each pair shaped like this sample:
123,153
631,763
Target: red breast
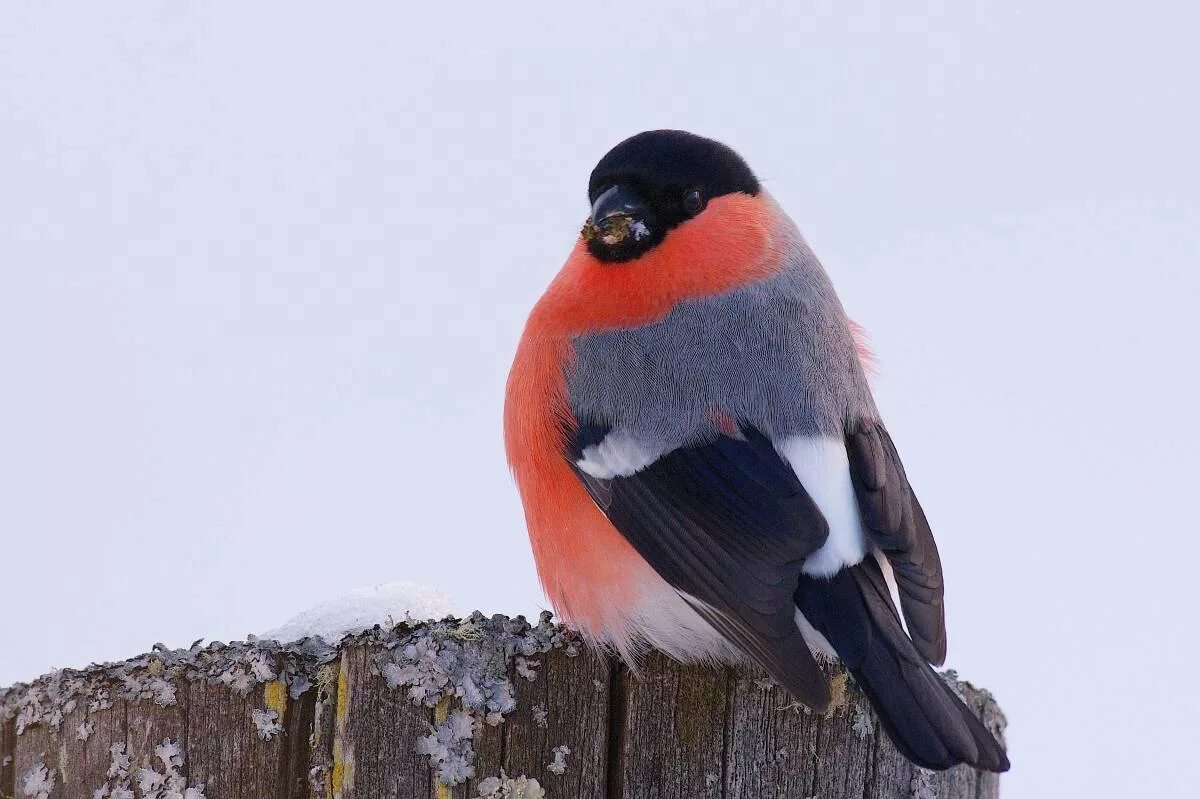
589,571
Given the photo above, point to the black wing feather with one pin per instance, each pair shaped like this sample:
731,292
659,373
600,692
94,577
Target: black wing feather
727,523
896,524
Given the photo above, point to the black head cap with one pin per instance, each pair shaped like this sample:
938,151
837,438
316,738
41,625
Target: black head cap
652,182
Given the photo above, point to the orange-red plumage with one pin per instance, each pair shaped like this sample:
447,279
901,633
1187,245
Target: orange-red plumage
588,569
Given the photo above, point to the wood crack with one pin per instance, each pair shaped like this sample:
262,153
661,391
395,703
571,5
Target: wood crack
617,733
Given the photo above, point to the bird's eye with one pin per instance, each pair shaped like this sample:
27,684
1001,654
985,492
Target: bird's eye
693,202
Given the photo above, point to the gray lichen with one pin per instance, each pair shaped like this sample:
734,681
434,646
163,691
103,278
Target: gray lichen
559,764
504,787
38,782
157,676
527,668
266,722
863,723
150,783
465,662
766,683
922,786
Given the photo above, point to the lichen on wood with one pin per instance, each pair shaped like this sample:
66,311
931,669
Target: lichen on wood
478,707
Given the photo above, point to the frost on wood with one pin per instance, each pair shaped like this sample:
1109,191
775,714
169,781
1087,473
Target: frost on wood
385,605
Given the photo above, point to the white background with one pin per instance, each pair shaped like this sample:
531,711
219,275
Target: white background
264,269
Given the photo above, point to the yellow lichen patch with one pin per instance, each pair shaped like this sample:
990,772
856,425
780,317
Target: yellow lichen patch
440,711
342,777
327,676
343,697
275,697
468,632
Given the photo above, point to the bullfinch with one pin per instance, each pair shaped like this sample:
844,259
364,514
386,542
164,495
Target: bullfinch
702,465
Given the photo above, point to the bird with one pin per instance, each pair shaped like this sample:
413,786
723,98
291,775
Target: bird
701,464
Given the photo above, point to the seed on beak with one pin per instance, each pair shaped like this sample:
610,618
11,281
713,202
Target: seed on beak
615,229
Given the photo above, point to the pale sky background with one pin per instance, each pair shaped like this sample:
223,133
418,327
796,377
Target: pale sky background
264,269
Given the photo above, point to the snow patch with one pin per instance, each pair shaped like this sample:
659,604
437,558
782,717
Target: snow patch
363,608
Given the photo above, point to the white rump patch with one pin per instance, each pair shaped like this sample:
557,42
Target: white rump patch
618,455
667,619
661,617
821,464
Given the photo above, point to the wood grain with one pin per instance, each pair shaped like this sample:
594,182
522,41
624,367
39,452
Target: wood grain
672,734
567,705
39,744
375,733
87,760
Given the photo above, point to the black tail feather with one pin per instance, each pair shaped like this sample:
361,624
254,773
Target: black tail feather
922,715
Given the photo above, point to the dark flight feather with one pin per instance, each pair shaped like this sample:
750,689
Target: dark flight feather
895,523
922,715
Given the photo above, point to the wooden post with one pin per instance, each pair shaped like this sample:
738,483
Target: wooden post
492,707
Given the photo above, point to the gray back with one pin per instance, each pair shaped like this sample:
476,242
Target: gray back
776,353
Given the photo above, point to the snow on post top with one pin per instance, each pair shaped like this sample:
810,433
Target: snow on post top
363,608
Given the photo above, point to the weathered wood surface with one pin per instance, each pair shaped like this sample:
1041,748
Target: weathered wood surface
401,713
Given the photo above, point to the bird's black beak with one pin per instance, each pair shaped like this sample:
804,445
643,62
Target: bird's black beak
618,215
616,201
